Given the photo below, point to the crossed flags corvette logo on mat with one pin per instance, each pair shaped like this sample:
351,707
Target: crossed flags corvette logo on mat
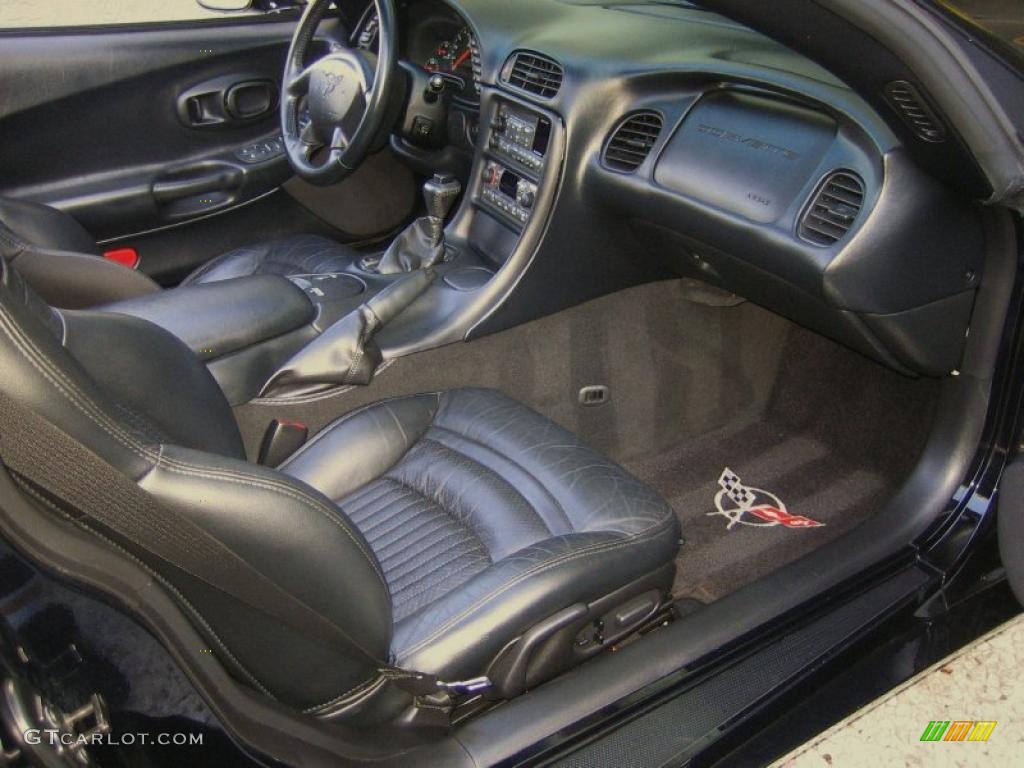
745,505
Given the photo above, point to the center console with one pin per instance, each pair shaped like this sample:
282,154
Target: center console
516,152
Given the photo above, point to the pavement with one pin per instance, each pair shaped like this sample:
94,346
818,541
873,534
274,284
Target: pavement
980,683
63,13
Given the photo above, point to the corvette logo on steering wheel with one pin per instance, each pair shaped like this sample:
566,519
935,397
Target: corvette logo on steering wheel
330,83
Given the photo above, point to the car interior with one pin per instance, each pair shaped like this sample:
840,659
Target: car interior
426,375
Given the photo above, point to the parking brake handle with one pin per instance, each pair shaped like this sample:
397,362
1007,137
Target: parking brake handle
346,352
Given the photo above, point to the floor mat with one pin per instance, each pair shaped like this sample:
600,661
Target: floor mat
838,437
695,387
672,367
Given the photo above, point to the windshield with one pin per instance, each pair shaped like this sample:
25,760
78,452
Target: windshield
1002,19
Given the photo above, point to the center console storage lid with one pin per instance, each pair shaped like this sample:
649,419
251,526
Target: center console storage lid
216,319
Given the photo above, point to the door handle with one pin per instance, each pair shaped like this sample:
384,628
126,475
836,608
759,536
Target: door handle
227,100
192,183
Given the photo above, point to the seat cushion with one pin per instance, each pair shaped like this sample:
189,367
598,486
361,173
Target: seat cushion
486,518
294,255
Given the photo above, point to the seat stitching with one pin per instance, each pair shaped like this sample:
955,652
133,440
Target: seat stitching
524,470
193,610
398,558
435,560
199,471
357,499
414,555
387,548
376,512
405,521
358,688
647,533
405,595
338,422
435,565
387,515
41,363
421,535
433,497
28,349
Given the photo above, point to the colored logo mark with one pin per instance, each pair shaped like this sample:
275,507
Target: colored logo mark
958,730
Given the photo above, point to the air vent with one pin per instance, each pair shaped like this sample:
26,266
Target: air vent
833,209
632,141
534,74
911,106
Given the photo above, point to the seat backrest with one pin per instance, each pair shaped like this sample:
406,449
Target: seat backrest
142,402
61,260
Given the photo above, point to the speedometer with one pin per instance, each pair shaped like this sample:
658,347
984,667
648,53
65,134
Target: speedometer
459,56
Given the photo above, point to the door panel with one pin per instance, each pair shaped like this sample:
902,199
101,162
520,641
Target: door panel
164,139
129,130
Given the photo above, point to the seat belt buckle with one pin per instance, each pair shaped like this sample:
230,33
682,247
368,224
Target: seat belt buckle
281,440
126,257
463,687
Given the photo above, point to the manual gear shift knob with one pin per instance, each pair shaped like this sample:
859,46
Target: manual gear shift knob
421,244
440,193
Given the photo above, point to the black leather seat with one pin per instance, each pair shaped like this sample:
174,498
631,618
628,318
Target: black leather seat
485,518
455,533
60,259
292,255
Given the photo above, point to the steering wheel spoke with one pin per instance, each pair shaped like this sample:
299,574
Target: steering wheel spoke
308,134
340,138
299,85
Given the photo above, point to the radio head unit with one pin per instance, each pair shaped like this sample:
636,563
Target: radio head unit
516,152
520,135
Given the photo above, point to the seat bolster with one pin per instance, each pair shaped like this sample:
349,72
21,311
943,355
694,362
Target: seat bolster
593,492
76,281
460,634
174,392
362,445
45,227
300,541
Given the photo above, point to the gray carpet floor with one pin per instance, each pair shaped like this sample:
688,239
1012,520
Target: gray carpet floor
695,386
837,437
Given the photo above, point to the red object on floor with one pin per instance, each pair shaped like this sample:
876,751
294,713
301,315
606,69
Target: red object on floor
126,257
776,515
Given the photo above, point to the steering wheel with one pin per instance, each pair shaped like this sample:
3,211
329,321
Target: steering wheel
347,93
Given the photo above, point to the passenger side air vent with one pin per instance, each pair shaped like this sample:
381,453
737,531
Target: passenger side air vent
833,209
632,141
533,73
914,110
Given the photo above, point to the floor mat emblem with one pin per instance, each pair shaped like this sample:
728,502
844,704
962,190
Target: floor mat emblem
746,505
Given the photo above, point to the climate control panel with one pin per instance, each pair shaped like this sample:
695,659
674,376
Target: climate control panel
507,191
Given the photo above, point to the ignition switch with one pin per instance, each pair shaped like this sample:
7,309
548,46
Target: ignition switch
435,87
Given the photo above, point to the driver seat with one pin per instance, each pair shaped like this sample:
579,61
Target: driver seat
63,264
455,533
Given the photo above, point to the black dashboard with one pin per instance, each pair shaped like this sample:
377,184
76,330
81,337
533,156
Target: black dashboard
623,142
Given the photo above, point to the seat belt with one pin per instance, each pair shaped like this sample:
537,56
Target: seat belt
45,456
